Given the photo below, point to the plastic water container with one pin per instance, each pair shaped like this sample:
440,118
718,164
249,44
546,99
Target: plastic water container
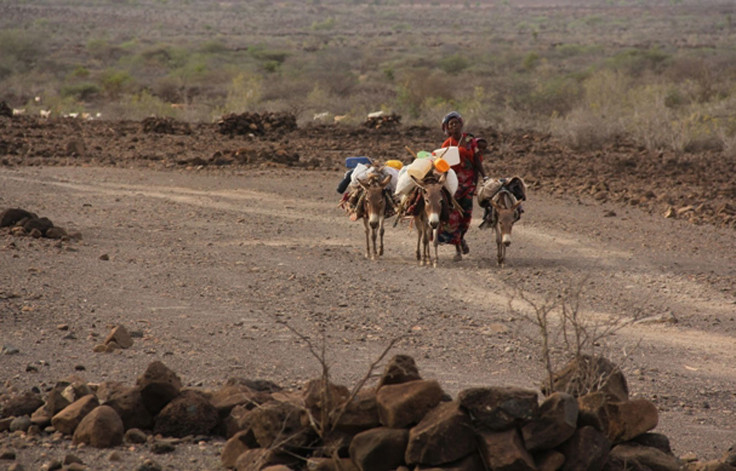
450,154
441,165
451,181
360,171
404,183
352,162
419,168
423,154
397,164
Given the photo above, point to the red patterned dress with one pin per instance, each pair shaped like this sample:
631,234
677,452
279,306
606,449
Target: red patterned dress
453,231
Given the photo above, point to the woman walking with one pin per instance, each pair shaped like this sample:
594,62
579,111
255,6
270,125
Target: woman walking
470,167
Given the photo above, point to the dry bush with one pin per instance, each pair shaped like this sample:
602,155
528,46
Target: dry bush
244,94
564,330
420,88
330,416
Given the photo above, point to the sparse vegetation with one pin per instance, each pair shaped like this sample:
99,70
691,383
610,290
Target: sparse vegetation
566,332
541,68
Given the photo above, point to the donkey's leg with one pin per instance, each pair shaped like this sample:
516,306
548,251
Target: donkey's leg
419,243
500,248
435,242
367,238
380,233
374,237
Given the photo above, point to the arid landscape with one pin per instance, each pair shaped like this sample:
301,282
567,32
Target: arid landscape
216,243
201,252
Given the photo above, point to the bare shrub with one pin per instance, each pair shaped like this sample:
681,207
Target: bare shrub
334,408
585,128
243,94
565,331
422,87
141,106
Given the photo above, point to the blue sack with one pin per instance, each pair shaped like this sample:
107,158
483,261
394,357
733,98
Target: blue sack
352,162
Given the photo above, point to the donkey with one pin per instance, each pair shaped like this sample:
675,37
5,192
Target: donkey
374,212
506,206
427,218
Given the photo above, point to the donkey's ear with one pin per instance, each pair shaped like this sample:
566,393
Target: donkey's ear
517,204
417,182
386,180
494,203
442,179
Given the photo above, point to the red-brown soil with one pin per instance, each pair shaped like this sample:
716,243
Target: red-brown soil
200,242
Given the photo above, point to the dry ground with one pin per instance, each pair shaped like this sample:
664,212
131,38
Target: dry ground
202,260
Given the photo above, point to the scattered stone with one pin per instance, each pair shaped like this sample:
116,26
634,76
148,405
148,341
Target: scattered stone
499,408
70,459
161,447
190,413
22,404
236,445
275,421
12,216
101,428
556,422
158,386
7,453
20,423
380,448
9,350
128,403
400,369
135,435
629,419
505,451
67,419
649,457
404,404
444,435
586,449
119,334
149,465
317,398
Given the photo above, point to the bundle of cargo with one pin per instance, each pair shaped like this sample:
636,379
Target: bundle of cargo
429,164
363,172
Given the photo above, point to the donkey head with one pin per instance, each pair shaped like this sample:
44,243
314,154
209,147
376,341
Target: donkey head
505,206
432,193
375,202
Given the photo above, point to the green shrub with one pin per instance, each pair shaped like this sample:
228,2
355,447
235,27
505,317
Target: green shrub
115,82
453,64
637,61
243,94
419,87
264,54
20,50
142,105
557,95
324,25
80,91
530,61
213,46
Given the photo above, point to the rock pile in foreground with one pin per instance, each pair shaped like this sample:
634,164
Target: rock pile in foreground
405,422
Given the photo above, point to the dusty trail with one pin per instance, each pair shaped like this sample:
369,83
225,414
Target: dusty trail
203,264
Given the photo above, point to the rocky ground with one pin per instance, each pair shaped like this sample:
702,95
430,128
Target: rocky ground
204,241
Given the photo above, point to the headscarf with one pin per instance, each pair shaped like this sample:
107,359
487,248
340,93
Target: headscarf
448,117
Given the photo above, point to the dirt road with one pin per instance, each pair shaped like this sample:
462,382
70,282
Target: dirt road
201,266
